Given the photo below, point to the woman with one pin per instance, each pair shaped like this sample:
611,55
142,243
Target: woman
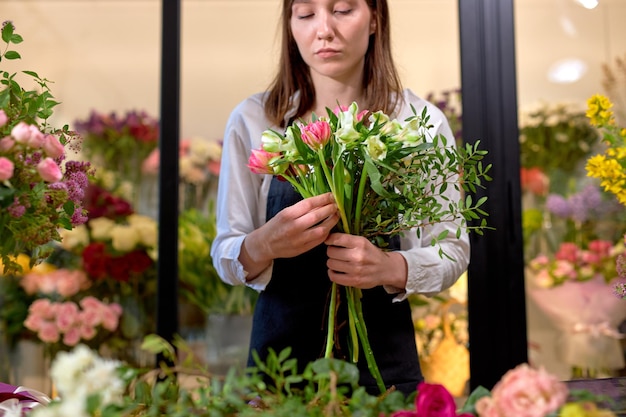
333,51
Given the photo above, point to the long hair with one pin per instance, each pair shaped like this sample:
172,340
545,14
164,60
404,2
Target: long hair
381,83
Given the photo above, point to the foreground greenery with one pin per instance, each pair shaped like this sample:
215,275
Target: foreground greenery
327,387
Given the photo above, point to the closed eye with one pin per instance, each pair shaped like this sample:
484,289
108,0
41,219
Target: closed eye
343,12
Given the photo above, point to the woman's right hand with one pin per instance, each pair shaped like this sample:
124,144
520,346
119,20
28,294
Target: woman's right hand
293,231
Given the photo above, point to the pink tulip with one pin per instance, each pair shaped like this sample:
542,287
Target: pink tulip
6,168
3,118
316,134
259,161
49,170
52,146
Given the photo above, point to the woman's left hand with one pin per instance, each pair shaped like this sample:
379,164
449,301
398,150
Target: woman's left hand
356,262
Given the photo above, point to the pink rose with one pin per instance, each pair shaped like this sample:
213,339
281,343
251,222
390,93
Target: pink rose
53,147
49,170
6,143
87,332
6,168
3,118
37,138
433,400
524,392
48,333
67,316
21,132
72,336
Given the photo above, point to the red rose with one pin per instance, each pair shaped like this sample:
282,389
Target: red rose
95,260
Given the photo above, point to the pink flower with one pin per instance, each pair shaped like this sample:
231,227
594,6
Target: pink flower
433,400
21,132
3,118
37,138
524,392
48,333
568,251
49,170
6,168
87,332
6,143
67,316
53,147
72,336
534,180
151,164
259,161
111,317
316,134
601,247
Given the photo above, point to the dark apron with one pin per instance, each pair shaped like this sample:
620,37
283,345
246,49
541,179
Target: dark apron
293,312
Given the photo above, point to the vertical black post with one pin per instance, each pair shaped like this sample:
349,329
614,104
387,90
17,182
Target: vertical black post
167,294
496,306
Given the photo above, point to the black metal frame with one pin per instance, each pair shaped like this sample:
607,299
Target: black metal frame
497,308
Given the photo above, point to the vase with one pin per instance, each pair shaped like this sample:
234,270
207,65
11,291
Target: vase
28,366
227,341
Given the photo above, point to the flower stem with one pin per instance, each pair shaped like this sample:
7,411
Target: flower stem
338,198
357,311
359,201
331,321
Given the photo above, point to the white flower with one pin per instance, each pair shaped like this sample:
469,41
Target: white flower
67,368
376,149
124,238
146,228
346,132
101,228
78,236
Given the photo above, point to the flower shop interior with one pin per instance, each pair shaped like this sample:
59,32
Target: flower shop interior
540,287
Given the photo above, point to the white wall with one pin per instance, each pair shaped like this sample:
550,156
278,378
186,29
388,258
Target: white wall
105,54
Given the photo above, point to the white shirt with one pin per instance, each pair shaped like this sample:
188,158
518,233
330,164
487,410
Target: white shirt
242,198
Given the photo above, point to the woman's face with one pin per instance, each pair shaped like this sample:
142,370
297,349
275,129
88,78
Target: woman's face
332,36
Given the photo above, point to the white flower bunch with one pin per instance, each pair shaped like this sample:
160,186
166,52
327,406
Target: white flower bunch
79,375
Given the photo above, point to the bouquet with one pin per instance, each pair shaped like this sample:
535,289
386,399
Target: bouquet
40,189
387,177
572,289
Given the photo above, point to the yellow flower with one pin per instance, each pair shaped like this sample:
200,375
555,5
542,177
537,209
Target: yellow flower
598,110
22,260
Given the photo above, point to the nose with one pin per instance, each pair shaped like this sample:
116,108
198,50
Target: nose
325,29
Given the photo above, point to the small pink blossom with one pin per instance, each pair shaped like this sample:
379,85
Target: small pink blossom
151,164
53,147
3,118
433,400
49,170
6,168
67,316
37,138
48,333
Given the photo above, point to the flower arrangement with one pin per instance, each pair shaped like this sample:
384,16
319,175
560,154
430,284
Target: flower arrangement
40,188
117,145
610,166
88,385
199,163
555,138
364,158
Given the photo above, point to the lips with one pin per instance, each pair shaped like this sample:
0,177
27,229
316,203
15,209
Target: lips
326,52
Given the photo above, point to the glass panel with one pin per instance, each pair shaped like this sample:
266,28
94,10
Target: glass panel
563,47
102,56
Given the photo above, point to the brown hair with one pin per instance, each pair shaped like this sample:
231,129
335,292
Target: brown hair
381,82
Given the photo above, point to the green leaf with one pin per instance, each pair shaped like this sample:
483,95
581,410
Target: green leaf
7,32
12,55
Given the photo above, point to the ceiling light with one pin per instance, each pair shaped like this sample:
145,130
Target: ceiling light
567,71
588,4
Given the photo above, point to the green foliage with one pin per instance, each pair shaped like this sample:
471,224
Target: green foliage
201,285
327,387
